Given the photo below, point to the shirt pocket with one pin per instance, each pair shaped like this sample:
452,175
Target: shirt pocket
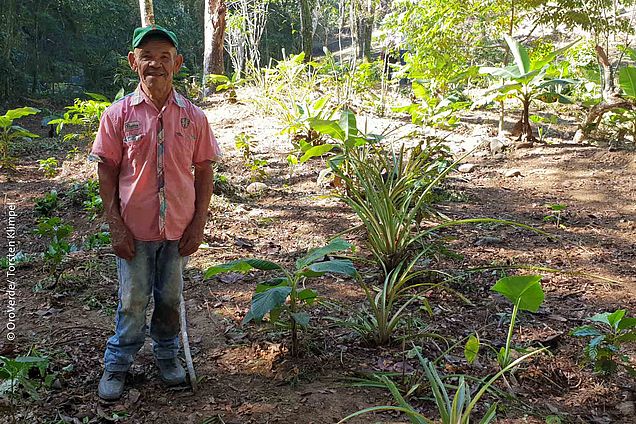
135,144
185,139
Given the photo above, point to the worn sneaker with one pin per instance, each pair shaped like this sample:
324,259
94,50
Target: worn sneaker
111,385
171,371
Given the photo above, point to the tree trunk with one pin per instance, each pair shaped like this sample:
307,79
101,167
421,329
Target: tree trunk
306,28
146,10
215,11
9,23
611,99
361,15
527,135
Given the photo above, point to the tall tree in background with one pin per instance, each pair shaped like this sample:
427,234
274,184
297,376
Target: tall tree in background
9,12
361,15
146,10
214,35
246,23
306,28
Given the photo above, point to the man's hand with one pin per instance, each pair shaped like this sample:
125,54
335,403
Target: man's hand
192,238
122,240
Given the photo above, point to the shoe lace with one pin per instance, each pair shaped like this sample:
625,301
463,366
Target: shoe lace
119,376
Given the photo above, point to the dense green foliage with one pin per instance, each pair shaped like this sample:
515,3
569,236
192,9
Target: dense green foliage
64,47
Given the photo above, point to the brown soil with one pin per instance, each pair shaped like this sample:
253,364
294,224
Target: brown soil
247,374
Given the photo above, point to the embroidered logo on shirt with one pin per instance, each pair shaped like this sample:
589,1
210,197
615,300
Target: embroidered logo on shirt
131,125
185,122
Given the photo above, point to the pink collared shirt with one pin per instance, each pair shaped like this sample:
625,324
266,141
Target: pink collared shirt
128,135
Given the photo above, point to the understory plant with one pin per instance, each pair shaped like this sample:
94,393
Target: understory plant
608,334
9,133
457,409
433,110
246,144
93,203
387,304
15,378
285,297
526,294
529,80
297,123
84,114
56,233
48,166
47,204
390,192
225,83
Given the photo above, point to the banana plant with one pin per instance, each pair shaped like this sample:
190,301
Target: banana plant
286,295
10,133
529,80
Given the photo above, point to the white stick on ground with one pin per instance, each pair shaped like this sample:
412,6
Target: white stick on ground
186,345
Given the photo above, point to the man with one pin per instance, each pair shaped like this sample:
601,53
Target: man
156,208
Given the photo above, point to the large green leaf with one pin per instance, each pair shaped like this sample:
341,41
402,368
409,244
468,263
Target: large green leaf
538,64
626,337
97,96
14,114
308,296
241,265
523,289
265,301
520,54
585,331
627,323
301,318
120,94
337,266
327,127
419,90
316,151
615,318
506,88
471,349
348,124
18,131
627,80
335,245
506,73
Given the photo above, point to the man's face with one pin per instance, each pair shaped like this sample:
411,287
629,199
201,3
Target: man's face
155,61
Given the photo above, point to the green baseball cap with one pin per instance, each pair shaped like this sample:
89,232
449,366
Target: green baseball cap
141,33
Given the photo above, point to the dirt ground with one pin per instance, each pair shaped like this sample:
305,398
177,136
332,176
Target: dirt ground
246,372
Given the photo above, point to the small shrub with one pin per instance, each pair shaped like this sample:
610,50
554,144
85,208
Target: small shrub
16,378
286,296
245,144
609,332
57,234
48,166
99,239
9,133
47,204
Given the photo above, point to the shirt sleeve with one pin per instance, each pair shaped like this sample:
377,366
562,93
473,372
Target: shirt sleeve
206,147
108,142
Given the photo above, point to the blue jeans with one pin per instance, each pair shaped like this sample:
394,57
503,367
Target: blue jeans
155,271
